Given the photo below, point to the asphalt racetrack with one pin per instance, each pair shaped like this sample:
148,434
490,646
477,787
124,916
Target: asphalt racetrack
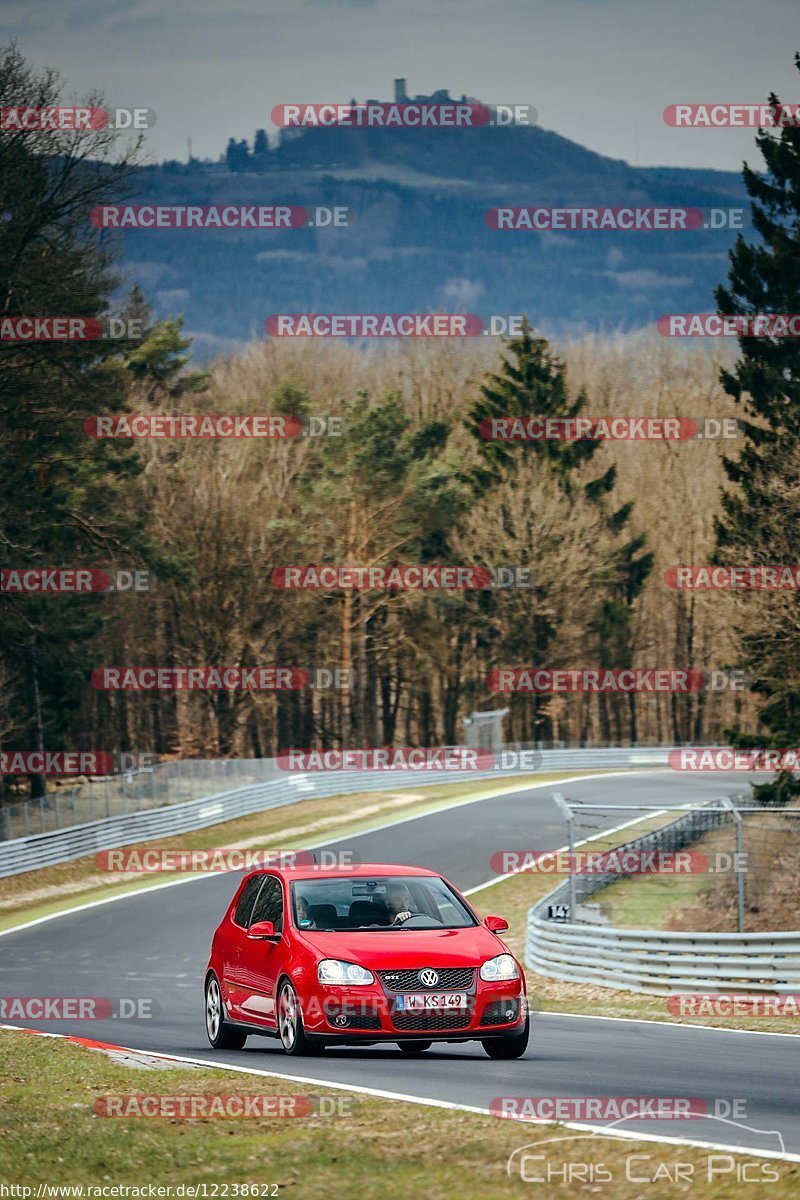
156,945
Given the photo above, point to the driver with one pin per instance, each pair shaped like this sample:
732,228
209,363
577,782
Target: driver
304,918
398,902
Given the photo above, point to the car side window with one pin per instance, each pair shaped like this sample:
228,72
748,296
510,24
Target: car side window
269,905
245,905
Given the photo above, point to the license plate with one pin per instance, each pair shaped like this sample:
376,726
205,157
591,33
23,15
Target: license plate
420,1001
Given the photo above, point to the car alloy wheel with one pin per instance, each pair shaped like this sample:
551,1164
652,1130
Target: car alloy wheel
213,1010
290,1023
221,1035
288,1017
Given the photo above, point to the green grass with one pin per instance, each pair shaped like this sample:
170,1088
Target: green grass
371,1148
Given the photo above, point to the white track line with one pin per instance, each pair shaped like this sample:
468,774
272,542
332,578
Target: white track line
428,1102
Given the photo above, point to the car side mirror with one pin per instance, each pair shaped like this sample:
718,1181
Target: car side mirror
496,924
263,930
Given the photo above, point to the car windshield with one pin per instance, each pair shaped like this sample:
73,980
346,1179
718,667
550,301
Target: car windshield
385,902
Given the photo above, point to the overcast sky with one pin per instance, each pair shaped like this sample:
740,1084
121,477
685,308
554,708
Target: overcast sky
597,71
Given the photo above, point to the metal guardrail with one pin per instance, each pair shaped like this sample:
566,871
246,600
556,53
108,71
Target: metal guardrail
637,960
659,962
62,845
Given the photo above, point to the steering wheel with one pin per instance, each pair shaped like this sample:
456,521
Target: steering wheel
419,920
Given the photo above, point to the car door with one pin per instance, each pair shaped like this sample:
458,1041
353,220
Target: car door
233,942
261,959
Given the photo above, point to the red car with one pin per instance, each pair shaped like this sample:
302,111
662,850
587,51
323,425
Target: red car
364,954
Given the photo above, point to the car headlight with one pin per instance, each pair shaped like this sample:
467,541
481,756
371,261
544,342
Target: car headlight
502,967
331,970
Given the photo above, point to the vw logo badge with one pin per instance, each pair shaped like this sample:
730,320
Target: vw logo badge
428,977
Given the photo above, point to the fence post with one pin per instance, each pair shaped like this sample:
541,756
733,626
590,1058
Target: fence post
740,866
569,819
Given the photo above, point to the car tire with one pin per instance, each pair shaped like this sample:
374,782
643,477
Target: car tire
414,1047
508,1047
290,1023
221,1035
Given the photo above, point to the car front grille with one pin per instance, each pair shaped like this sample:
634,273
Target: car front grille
500,1012
432,1019
451,979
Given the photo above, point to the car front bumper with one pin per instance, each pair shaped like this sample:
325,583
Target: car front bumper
370,1014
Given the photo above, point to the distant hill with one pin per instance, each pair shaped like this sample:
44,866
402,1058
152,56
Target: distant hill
420,240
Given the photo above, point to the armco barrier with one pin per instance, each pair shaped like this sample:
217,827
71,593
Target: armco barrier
638,960
63,845
659,962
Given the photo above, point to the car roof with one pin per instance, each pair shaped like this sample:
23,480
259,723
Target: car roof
361,871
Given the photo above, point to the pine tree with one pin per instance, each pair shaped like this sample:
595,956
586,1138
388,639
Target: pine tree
64,500
760,512
532,382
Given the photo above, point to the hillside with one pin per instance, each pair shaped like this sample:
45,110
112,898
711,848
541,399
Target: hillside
420,239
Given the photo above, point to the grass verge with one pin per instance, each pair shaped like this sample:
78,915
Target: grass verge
51,1134
706,902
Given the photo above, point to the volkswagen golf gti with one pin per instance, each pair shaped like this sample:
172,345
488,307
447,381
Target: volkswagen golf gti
360,955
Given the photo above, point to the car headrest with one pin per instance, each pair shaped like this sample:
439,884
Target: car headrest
323,914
